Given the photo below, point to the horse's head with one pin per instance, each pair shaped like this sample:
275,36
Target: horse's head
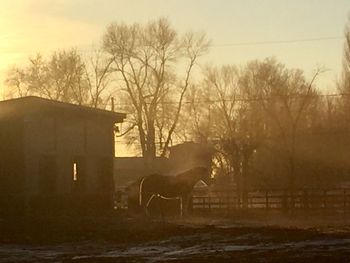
201,173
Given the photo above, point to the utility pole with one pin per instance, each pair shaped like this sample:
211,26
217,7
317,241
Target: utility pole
112,102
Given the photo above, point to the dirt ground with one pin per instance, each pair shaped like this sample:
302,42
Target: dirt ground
241,238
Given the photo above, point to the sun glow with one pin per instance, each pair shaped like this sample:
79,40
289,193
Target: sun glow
26,31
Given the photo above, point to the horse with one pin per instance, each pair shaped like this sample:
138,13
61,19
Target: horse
177,187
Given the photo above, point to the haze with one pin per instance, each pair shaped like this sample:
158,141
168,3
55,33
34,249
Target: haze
43,26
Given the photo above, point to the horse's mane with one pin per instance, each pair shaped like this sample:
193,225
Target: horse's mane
196,173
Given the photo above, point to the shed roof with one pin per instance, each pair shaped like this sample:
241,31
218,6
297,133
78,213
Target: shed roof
36,105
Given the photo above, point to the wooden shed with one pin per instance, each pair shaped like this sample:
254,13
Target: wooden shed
55,155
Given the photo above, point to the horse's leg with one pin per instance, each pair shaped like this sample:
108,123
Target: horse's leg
185,203
181,207
141,191
146,202
144,197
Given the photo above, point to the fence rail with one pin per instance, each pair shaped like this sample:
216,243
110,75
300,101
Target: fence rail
310,200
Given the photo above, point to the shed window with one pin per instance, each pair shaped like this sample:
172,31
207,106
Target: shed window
75,172
78,173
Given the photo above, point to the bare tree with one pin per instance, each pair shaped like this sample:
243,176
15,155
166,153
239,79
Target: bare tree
344,85
231,123
257,107
148,61
98,76
59,78
285,96
64,76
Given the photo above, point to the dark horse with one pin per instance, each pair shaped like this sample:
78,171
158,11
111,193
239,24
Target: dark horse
179,187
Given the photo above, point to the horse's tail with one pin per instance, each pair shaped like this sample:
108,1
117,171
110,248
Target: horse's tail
140,190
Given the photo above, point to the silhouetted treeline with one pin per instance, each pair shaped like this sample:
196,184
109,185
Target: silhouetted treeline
270,125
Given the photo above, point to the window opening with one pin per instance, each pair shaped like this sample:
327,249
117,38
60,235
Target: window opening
75,172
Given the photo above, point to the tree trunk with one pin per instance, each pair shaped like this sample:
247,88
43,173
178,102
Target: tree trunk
150,145
245,181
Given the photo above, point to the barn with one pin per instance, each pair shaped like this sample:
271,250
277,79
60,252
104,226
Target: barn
55,156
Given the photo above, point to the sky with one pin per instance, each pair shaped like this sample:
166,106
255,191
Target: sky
31,26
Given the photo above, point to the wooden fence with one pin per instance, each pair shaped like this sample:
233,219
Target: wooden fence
337,200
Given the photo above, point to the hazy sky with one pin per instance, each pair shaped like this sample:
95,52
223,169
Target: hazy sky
30,26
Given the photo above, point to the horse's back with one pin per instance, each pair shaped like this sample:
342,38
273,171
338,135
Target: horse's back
196,173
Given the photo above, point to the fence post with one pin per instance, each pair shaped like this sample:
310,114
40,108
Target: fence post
228,203
238,198
209,203
325,203
306,199
267,199
344,201
190,205
284,202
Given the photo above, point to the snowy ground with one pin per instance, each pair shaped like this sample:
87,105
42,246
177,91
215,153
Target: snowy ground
246,238
197,243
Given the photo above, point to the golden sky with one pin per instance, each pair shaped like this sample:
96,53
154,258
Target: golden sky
30,26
